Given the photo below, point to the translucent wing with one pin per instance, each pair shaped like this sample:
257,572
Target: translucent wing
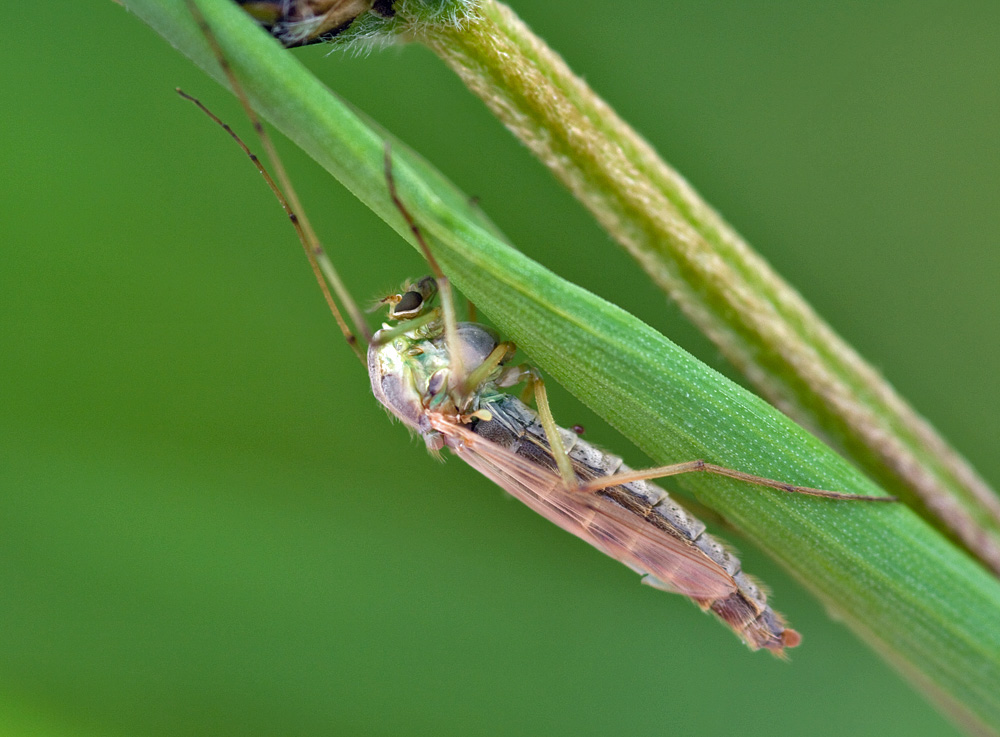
619,533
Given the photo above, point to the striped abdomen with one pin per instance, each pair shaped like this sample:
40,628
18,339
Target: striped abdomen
637,523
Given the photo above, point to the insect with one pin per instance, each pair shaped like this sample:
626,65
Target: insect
449,382
303,22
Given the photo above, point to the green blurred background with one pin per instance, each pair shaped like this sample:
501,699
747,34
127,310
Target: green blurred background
208,526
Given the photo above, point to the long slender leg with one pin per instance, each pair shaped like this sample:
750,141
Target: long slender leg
503,352
349,335
534,381
563,462
456,380
535,386
321,264
701,466
390,334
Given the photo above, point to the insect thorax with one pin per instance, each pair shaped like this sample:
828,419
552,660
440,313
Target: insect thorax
411,372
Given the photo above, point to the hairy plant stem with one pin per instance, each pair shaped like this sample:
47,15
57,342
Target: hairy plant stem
761,324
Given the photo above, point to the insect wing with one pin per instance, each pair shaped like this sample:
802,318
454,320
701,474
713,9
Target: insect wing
612,529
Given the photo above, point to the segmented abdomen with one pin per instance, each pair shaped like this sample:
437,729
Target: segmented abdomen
637,523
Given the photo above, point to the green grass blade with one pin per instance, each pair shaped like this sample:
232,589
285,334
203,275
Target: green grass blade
760,323
896,582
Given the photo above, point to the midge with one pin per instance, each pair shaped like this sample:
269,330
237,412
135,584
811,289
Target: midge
447,381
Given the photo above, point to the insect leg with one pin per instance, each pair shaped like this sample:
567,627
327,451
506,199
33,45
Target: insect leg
552,431
457,373
535,386
697,466
321,264
387,335
503,352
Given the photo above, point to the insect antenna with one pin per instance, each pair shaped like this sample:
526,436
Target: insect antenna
323,268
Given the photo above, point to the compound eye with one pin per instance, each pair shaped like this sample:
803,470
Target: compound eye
408,304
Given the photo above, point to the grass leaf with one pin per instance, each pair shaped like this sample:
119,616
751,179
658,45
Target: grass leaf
914,597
